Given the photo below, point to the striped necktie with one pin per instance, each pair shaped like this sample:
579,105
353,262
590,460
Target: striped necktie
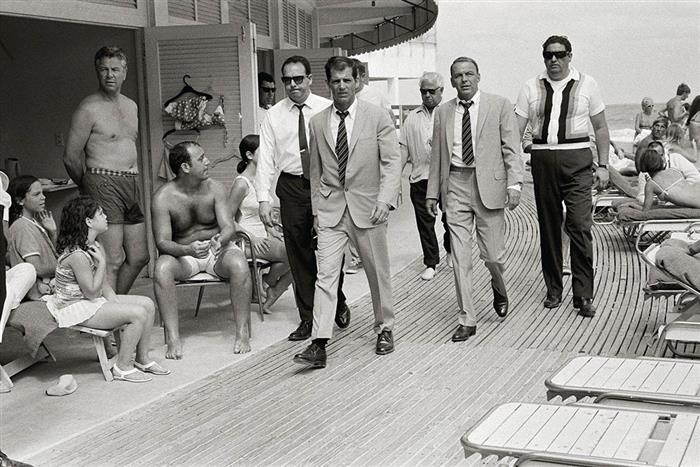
303,144
341,145
467,147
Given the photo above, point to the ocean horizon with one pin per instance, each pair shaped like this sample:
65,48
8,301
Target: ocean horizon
620,118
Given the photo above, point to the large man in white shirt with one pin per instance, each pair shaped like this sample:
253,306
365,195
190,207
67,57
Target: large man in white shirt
284,147
416,143
558,104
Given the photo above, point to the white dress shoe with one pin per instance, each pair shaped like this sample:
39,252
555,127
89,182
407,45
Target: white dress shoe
428,274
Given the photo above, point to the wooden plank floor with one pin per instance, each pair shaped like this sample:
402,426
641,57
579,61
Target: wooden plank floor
407,408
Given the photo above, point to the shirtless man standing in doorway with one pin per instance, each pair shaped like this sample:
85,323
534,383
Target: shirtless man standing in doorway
193,227
104,128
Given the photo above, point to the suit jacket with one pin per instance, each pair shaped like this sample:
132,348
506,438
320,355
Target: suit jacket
372,173
496,150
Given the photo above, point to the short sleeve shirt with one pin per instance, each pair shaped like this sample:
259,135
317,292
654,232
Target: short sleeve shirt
559,111
27,239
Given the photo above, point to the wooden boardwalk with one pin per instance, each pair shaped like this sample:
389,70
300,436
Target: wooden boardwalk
407,408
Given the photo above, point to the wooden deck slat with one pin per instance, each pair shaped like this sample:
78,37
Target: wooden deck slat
675,378
601,377
674,449
594,432
613,436
692,452
636,437
690,385
574,429
551,430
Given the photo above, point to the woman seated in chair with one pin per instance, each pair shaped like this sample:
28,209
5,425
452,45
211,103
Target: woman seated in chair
267,243
32,233
668,183
83,296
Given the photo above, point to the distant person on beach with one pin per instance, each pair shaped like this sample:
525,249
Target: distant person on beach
658,133
668,183
693,122
101,158
643,121
193,228
416,144
476,169
562,166
675,111
677,141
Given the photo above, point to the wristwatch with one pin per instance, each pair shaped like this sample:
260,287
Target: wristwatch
605,166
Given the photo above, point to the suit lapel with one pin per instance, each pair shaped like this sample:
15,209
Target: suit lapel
357,126
327,128
484,108
450,123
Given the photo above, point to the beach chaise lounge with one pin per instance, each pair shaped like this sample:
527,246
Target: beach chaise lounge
637,382
586,434
684,324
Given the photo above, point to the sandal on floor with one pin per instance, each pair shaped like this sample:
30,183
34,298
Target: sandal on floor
153,368
132,376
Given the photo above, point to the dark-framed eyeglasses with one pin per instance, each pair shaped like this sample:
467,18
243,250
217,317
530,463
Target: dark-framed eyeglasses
266,89
559,54
429,91
287,80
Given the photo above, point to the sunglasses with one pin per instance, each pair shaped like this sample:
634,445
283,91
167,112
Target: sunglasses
429,91
287,80
268,89
559,54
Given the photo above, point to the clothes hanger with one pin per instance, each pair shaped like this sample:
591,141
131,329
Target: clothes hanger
187,89
170,132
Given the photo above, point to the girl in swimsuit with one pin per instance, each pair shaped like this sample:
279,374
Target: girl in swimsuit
267,243
84,297
668,183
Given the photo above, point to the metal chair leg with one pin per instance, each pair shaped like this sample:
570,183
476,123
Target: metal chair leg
199,300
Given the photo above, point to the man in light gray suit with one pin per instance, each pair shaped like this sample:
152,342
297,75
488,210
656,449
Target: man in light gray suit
355,178
476,167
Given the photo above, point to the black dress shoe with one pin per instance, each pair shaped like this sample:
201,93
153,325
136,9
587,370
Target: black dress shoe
385,342
462,333
313,356
500,304
342,316
303,332
585,307
552,301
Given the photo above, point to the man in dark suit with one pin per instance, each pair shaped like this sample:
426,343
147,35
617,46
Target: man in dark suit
355,178
475,166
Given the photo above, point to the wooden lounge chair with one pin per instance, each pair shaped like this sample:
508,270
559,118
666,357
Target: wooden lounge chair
684,323
629,381
586,434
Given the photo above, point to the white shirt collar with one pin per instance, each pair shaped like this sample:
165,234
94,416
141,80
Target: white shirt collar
352,110
476,98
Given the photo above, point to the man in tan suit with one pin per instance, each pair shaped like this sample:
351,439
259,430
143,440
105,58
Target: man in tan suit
475,166
355,177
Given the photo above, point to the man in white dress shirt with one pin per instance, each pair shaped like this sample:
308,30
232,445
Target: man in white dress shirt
284,147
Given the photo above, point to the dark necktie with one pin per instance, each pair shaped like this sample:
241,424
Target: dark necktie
467,147
341,145
303,143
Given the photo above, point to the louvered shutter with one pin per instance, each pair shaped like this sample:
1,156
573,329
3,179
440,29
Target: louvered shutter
219,60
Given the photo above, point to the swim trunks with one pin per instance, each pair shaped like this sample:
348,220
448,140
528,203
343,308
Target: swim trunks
117,192
196,265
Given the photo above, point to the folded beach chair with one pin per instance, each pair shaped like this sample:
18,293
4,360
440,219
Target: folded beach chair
638,382
586,434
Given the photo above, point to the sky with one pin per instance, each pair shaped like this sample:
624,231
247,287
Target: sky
632,48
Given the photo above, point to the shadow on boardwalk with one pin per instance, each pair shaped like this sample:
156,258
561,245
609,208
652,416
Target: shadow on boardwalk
407,408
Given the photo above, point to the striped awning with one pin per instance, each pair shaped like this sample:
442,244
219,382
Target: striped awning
361,26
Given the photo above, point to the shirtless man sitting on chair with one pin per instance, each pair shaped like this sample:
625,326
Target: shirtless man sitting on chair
193,227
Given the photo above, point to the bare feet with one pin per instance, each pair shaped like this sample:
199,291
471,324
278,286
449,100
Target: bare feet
273,293
174,351
242,343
